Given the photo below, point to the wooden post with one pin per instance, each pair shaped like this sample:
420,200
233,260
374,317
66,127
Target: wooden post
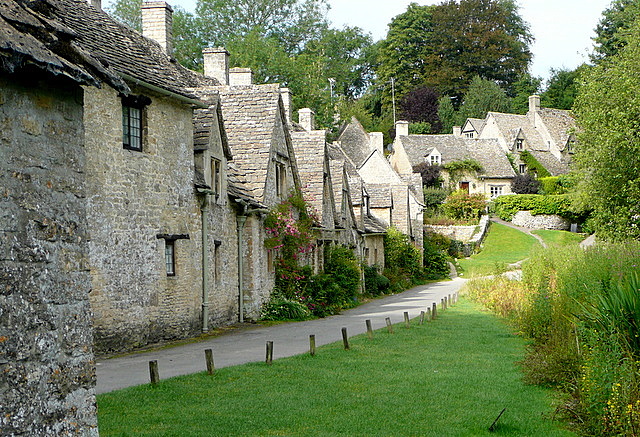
153,371
269,358
442,304
407,323
450,301
208,356
428,314
345,339
312,345
434,311
369,330
389,327
446,302
421,317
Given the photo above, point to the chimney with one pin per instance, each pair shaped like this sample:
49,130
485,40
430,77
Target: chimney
457,131
216,64
96,4
534,103
285,94
402,128
240,76
377,141
156,23
307,119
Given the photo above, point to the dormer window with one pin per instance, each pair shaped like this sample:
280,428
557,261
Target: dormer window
434,159
523,168
133,122
519,144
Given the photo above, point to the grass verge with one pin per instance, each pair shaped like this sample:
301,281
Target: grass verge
561,238
449,377
502,246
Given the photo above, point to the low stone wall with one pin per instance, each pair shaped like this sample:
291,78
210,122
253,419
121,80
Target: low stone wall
542,221
468,238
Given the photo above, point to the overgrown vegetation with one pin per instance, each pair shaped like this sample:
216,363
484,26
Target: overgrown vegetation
506,207
402,261
581,310
533,165
465,206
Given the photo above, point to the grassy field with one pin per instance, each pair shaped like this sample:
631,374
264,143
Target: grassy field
559,237
502,246
449,377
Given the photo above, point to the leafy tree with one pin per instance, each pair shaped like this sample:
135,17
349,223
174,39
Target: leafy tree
483,96
430,174
607,158
562,88
524,87
127,12
292,22
525,184
465,206
447,114
421,105
613,26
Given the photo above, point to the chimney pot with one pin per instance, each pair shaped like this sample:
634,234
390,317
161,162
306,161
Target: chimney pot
216,64
306,119
240,76
457,131
402,128
156,23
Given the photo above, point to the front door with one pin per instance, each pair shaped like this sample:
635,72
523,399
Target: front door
464,186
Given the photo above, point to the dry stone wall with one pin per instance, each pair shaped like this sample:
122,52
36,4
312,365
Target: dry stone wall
541,221
47,370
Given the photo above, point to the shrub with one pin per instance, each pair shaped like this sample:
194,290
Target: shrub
525,184
462,205
403,265
433,199
281,308
507,206
430,174
375,284
434,256
343,267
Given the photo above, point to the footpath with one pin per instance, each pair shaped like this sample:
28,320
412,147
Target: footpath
249,345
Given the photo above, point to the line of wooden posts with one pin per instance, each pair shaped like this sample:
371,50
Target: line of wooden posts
431,313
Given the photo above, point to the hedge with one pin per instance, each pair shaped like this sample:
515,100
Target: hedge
507,206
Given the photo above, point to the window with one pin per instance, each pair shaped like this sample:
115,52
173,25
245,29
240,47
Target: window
281,174
170,257
434,159
523,168
496,191
133,119
519,144
216,260
468,135
215,177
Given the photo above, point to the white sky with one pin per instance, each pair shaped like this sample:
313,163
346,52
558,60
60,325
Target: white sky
562,28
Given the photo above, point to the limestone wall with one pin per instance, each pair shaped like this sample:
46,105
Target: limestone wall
47,372
135,198
542,221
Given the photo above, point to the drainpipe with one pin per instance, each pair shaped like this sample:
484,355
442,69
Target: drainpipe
242,218
204,218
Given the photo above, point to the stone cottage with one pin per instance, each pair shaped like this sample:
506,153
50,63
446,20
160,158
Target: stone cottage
494,178
47,370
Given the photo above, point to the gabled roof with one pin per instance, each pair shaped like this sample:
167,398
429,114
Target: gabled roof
124,50
251,115
512,125
373,225
380,195
204,123
355,142
559,123
451,148
474,123
553,165
236,186
34,35
491,157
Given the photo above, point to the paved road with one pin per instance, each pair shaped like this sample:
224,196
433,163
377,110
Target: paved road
243,346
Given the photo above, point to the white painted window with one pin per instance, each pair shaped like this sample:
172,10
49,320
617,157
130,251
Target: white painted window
495,191
519,144
170,257
523,168
434,159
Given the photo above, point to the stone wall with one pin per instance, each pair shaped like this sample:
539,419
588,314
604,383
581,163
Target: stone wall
469,237
134,199
542,221
47,372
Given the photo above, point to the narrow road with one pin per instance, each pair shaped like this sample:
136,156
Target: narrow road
289,339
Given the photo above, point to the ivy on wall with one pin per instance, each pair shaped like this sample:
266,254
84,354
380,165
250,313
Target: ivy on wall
533,166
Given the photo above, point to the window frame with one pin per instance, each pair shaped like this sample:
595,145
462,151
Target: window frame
170,257
216,177
280,177
522,168
495,191
519,144
134,118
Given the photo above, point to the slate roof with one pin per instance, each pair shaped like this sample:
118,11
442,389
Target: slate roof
559,123
124,50
250,115
32,34
491,157
475,123
511,124
355,142
373,225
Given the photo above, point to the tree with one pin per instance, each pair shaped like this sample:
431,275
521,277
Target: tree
524,87
525,184
445,46
481,97
292,22
127,12
611,30
421,106
447,114
430,174
562,88
607,159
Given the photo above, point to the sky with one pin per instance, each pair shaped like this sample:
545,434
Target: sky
562,28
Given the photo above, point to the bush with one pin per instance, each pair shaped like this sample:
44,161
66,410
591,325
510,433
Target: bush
434,256
462,205
507,206
403,265
525,184
343,267
281,308
433,199
375,284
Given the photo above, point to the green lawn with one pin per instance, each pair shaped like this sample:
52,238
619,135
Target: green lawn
502,246
449,377
559,237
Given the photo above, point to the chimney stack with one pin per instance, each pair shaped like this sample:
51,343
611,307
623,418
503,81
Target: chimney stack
457,131
216,64
96,4
156,23
402,128
240,76
376,140
307,119
285,94
534,103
